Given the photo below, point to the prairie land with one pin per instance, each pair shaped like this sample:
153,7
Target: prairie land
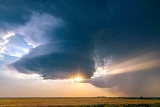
79,102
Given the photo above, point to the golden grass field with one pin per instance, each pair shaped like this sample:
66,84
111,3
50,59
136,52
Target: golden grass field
78,102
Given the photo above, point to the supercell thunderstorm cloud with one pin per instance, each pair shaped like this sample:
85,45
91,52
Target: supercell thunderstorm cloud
116,42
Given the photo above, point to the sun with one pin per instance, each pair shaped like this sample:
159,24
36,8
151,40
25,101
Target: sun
77,79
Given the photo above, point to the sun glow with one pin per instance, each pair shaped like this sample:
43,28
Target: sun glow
77,79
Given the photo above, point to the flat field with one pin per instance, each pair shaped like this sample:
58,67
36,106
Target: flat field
79,102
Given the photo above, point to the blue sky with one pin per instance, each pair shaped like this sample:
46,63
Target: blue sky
112,44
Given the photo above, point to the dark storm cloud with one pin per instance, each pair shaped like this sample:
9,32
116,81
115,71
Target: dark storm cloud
69,47
13,13
135,28
58,60
106,27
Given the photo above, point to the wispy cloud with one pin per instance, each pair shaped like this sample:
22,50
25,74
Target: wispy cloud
4,39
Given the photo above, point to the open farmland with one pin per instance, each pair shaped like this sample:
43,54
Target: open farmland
78,102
